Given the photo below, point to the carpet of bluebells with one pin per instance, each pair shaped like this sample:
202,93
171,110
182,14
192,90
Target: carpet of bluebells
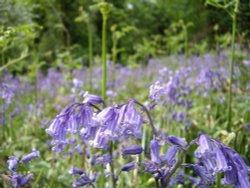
162,125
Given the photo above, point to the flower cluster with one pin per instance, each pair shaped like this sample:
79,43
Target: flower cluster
215,157
113,123
19,180
83,177
162,166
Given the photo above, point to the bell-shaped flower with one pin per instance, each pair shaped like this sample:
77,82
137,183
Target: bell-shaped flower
155,151
12,163
132,150
34,154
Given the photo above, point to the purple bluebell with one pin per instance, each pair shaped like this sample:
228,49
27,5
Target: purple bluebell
131,150
87,151
129,166
243,179
194,180
230,176
205,145
76,118
150,167
112,128
92,99
105,115
155,151
209,163
7,92
85,116
181,142
101,140
132,121
178,179
75,170
206,177
34,154
240,164
78,149
12,163
73,125
102,160
221,161
169,157
18,180
54,127
84,180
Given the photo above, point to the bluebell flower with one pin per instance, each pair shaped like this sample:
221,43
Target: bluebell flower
102,160
155,151
84,180
75,170
209,163
101,140
12,163
205,145
230,176
243,179
129,166
105,115
85,116
131,150
206,177
150,167
76,118
79,149
34,154
195,181
130,121
239,162
92,99
73,125
181,142
169,156
221,161
178,179
18,180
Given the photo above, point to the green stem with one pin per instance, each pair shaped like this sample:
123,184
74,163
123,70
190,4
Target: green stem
218,180
149,117
157,183
114,57
229,115
90,43
104,58
177,165
3,57
112,165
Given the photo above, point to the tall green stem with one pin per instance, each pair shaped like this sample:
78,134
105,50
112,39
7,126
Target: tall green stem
112,165
90,43
104,58
114,57
229,115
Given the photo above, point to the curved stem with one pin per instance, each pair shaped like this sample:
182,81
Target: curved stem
176,166
179,162
149,117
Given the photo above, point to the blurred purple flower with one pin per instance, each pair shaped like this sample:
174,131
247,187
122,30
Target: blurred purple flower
34,154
